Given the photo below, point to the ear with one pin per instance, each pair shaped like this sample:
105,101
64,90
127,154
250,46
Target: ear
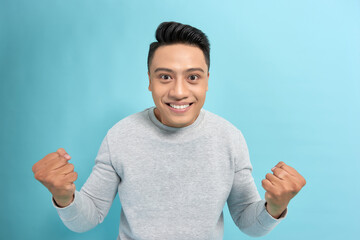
149,82
207,81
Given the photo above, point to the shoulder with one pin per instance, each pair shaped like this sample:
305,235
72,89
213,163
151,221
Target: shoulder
132,123
219,123
221,128
227,135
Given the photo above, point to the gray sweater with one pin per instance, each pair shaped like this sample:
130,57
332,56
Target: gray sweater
173,183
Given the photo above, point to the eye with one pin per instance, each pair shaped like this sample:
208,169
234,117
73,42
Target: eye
165,77
193,77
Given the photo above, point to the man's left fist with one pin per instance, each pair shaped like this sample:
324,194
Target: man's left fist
281,187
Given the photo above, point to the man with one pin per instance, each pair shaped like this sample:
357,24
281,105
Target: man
174,165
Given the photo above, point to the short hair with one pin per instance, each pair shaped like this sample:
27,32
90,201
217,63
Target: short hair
169,33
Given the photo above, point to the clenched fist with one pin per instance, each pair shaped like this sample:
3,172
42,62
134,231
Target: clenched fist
281,187
57,175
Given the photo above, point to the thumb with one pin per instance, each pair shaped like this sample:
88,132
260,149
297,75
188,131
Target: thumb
63,153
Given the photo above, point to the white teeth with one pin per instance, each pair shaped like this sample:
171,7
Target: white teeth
179,106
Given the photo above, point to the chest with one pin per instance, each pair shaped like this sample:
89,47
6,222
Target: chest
177,173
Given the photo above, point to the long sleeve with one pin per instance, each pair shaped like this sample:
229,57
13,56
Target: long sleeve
244,202
92,203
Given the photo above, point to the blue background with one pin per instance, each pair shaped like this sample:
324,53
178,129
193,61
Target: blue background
286,73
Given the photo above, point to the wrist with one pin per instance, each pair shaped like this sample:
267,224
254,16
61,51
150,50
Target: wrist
63,202
275,211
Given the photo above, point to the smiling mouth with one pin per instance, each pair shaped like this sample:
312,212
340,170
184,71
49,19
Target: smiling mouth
179,106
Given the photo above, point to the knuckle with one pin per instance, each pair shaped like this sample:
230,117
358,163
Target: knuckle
277,170
38,176
298,187
34,168
288,188
277,194
48,179
293,186
281,164
48,158
303,181
62,160
280,175
68,187
263,182
52,155
60,150
71,167
58,184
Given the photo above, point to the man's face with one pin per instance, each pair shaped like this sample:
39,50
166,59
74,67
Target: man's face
178,80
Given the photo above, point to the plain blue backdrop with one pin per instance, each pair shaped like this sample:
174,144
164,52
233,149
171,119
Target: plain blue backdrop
286,73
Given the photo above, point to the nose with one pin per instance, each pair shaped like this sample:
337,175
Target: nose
179,90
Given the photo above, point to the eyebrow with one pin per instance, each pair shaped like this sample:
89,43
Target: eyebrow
171,71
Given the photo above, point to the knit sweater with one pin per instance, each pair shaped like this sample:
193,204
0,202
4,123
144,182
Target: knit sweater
172,183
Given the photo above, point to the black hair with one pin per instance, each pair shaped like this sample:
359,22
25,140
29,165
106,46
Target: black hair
169,33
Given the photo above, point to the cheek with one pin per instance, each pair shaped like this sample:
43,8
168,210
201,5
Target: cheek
155,96
200,93
158,92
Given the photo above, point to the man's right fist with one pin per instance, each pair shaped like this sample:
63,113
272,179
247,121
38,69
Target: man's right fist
57,175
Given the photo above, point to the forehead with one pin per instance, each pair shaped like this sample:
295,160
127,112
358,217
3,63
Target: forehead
178,56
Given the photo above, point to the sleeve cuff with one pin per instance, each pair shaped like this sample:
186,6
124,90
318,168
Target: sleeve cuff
69,212
268,221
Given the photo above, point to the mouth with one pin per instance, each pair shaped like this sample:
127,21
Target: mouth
179,107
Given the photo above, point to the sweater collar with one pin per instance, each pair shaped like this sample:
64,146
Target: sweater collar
174,129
